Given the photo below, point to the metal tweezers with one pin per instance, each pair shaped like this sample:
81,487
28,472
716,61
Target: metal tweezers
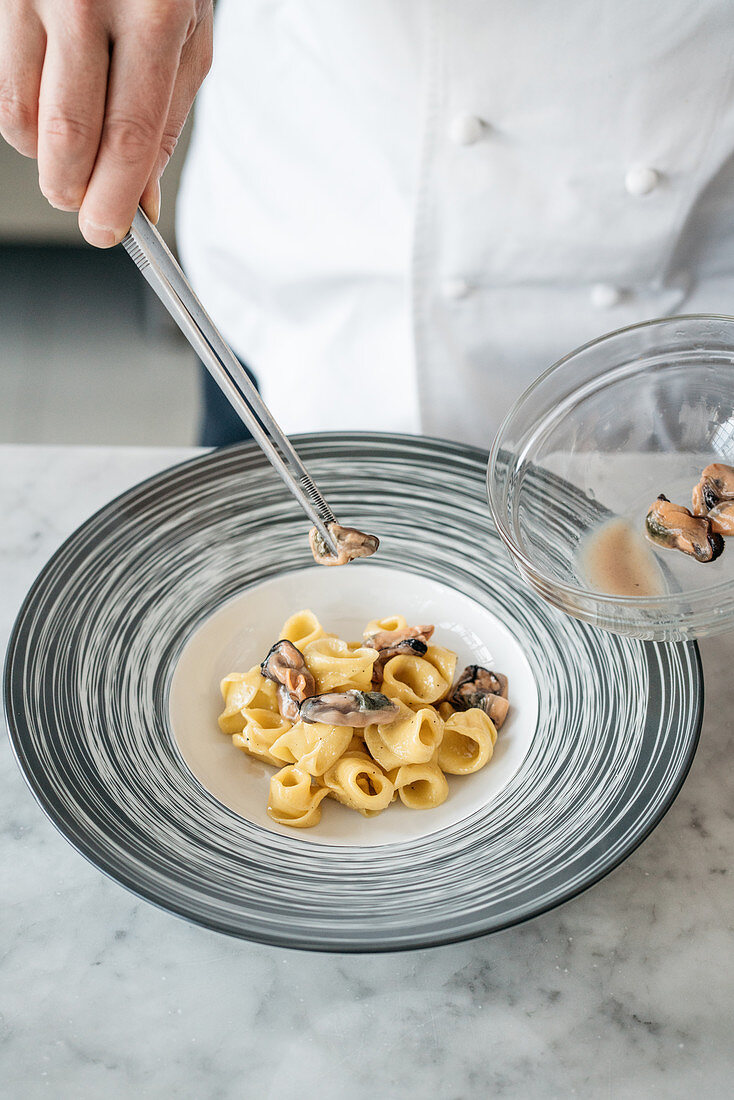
149,251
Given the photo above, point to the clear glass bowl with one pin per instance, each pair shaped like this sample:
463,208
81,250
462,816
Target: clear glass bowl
595,440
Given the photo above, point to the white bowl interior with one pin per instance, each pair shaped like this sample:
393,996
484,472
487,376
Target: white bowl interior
240,633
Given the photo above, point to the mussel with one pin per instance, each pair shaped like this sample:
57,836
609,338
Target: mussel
350,708
393,643
721,518
350,544
673,526
480,688
285,666
288,705
716,485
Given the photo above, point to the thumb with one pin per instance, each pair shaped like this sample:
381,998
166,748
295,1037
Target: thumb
150,200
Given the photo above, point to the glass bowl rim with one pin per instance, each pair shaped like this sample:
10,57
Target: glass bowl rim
603,598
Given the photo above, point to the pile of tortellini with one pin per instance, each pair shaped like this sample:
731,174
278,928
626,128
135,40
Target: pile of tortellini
365,768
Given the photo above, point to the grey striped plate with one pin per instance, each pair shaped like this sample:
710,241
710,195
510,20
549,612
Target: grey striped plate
94,651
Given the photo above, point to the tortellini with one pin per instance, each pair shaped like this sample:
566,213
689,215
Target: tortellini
392,622
413,739
359,783
468,742
261,730
302,628
421,786
313,746
415,681
337,665
293,800
244,689
404,761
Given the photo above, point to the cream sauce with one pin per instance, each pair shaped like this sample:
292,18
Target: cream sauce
616,560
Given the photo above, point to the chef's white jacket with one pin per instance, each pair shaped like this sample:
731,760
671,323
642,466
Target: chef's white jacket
401,211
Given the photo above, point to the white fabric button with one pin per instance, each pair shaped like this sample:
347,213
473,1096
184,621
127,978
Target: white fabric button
456,289
641,180
465,129
604,296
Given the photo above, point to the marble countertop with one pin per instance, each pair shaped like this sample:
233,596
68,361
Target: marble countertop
625,991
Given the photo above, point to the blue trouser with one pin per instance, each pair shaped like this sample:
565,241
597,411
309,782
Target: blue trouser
219,423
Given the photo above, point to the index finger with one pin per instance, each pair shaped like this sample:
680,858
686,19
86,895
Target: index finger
141,80
71,106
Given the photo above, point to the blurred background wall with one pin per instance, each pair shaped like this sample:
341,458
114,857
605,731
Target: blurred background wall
87,354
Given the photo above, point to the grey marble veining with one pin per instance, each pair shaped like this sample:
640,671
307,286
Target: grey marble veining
625,992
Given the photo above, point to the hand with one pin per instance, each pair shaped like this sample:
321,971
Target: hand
98,91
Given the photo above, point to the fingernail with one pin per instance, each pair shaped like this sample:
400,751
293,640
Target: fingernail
154,206
100,235
61,201
157,201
